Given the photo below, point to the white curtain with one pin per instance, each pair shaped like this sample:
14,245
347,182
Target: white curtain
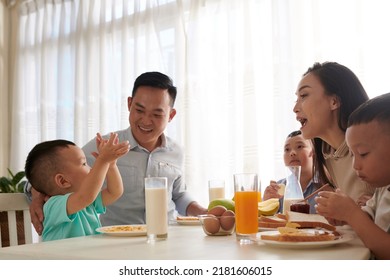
236,64
4,122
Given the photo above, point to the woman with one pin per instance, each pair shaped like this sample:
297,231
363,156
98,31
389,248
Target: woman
326,95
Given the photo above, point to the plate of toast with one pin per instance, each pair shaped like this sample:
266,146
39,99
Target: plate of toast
299,230
304,239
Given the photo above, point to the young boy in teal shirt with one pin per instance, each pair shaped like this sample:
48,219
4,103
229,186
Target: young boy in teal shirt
59,170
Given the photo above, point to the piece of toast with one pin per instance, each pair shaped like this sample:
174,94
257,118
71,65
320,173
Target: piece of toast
300,236
309,220
304,221
187,218
271,222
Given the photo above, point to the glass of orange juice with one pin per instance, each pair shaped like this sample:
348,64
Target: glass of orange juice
246,205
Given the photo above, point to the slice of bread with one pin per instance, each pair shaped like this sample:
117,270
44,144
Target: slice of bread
271,222
309,220
304,221
299,236
187,218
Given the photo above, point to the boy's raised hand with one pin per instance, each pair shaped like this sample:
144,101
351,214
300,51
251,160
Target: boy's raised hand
110,150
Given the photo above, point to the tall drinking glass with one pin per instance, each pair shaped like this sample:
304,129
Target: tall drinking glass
216,189
246,205
156,208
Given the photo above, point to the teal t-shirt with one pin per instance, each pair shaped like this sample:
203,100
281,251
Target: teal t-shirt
58,225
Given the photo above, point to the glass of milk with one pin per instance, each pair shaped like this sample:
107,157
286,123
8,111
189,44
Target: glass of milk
293,192
216,189
156,207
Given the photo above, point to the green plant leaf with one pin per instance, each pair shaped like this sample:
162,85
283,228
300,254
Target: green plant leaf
16,179
4,185
12,184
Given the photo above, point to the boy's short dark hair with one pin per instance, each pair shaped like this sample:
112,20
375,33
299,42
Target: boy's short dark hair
375,109
294,133
43,162
156,80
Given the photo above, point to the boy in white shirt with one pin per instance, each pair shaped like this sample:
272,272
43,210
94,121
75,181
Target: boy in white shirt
368,137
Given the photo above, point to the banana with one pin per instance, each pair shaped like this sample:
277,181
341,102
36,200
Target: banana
268,207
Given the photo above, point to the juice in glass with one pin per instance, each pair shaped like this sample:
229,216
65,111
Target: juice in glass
246,212
259,196
246,195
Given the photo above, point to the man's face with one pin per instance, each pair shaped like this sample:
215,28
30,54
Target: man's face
150,112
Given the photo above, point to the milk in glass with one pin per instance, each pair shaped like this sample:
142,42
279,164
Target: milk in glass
156,208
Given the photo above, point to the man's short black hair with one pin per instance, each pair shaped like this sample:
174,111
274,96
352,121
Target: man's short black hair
156,80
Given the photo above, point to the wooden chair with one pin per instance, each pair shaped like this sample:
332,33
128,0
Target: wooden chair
13,204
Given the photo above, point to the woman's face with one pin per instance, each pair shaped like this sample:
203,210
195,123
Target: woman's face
314,109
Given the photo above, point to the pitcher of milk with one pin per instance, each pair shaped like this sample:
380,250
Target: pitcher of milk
293,192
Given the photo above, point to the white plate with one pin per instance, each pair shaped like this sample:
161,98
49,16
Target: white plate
302,245
129,230
188,222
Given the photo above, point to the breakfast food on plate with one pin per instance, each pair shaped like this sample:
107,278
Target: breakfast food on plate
271,222
125,228
268,207
302,207
309,220
304,221
187,218
281,216
292,234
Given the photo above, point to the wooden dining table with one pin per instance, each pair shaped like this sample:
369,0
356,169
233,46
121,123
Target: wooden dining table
184,242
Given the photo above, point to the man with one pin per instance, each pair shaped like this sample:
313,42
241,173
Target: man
151,154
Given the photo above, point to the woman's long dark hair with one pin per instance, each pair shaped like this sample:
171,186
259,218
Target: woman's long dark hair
340,81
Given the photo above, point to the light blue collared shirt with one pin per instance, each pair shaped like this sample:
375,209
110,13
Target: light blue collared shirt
138,163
